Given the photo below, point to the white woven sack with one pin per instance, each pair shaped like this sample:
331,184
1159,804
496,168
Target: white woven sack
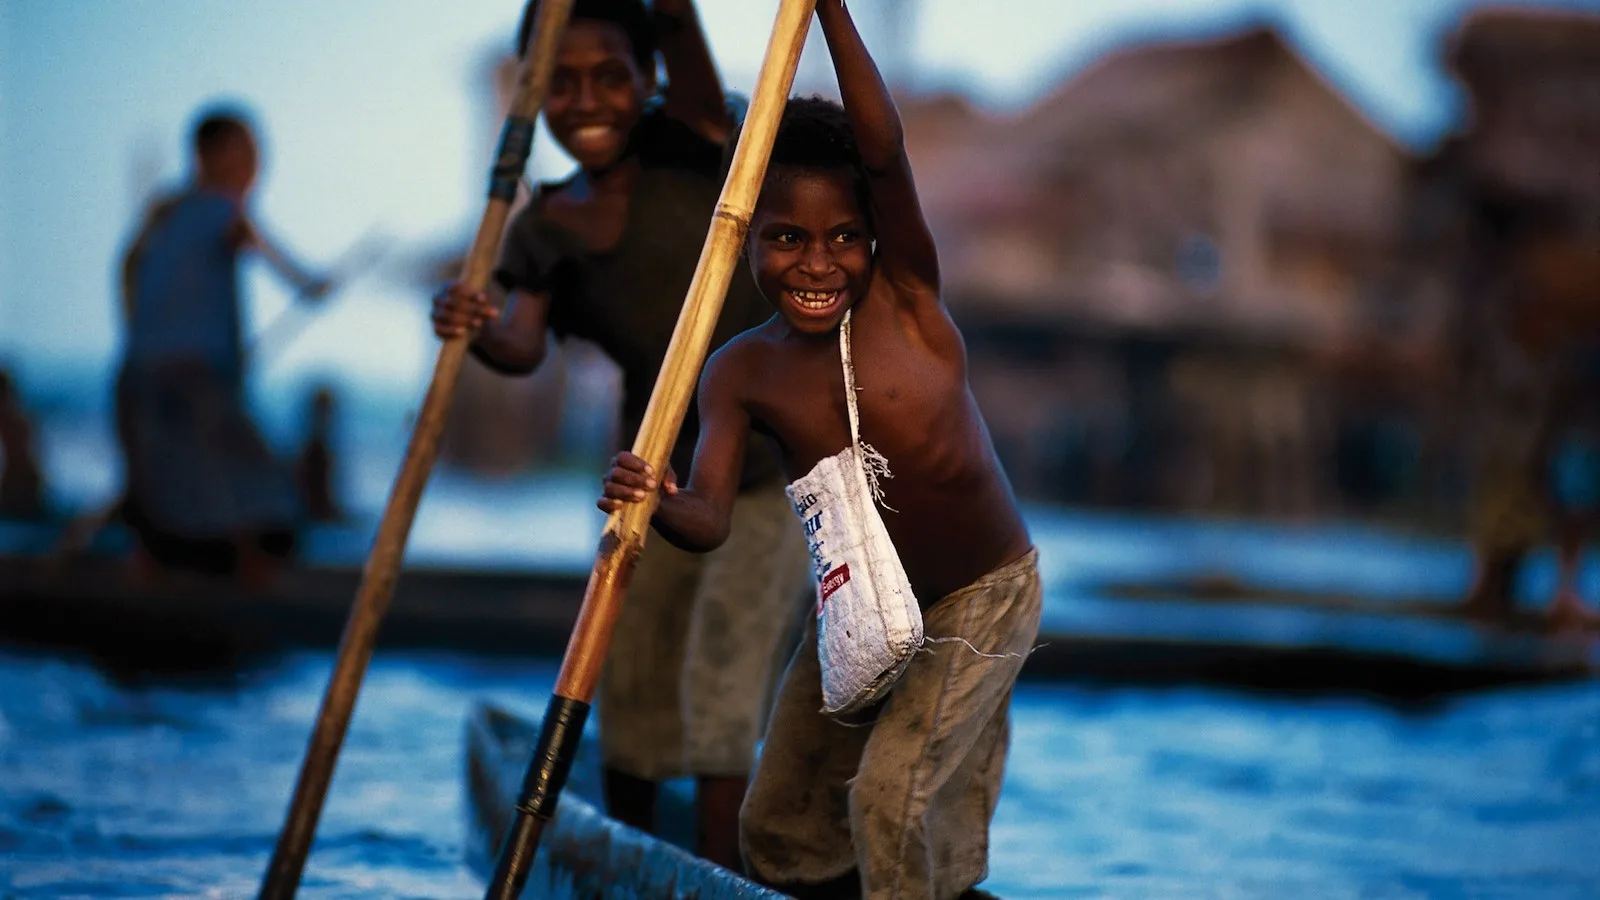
869,625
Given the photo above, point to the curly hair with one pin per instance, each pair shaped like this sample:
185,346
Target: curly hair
815,133
629,15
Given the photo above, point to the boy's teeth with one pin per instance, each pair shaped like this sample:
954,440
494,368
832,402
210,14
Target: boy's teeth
817,299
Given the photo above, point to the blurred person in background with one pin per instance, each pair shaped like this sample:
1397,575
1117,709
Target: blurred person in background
21,481
1567,272
203,492
1538,371
1574,477
607,255
314,469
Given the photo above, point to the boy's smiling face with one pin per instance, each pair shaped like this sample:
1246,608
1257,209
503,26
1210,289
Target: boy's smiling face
810,246
597,93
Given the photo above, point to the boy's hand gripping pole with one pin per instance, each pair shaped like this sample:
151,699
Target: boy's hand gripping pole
383,561
625,530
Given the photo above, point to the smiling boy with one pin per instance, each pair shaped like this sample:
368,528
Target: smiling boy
839,245
607,255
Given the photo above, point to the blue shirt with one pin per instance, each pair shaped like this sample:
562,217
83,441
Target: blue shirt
186,286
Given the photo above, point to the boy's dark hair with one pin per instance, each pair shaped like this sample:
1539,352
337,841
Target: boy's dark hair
629,15
815,133
217,124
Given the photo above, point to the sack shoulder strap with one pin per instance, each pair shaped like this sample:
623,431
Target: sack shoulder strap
872,463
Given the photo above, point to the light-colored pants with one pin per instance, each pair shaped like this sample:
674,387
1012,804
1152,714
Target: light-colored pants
906,800
699,643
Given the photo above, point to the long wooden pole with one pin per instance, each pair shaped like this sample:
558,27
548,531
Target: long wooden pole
625,530
383,561
280,333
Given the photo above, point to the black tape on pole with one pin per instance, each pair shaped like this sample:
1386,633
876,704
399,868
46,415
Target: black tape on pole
516,143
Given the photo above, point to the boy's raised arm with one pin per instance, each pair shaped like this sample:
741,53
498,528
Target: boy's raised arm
694,89
906,249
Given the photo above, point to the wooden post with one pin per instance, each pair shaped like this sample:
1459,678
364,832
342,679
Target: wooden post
625,530
383,561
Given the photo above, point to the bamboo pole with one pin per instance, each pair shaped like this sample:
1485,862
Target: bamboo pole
383,561
274,256
625,530
283,329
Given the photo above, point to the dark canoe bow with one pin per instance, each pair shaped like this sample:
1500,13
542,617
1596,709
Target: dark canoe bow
583,853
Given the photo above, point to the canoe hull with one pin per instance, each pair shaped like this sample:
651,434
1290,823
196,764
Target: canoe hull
581,850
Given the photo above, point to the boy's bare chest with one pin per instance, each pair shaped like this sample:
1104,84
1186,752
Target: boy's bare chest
902,392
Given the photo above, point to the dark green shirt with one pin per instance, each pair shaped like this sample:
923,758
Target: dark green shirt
627,300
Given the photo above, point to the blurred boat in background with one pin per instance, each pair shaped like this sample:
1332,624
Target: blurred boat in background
1130,600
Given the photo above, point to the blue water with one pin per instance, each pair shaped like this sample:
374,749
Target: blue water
169,790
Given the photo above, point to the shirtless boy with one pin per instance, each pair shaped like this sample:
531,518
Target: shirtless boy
900,808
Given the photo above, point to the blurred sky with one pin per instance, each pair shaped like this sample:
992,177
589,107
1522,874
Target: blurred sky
376,115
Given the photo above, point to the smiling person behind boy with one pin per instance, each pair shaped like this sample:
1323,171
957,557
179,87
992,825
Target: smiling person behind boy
902,807
607,255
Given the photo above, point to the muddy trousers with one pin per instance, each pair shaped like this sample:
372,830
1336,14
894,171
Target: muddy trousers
903,800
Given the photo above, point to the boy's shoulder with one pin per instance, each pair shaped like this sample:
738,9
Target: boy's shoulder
751,340
163,204
157,212
184,219
542,192
543,222
745,352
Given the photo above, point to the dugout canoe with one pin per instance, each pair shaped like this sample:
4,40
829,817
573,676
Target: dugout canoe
583,853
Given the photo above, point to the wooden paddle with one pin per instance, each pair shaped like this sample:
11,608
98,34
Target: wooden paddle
383,562
286,326
625,530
